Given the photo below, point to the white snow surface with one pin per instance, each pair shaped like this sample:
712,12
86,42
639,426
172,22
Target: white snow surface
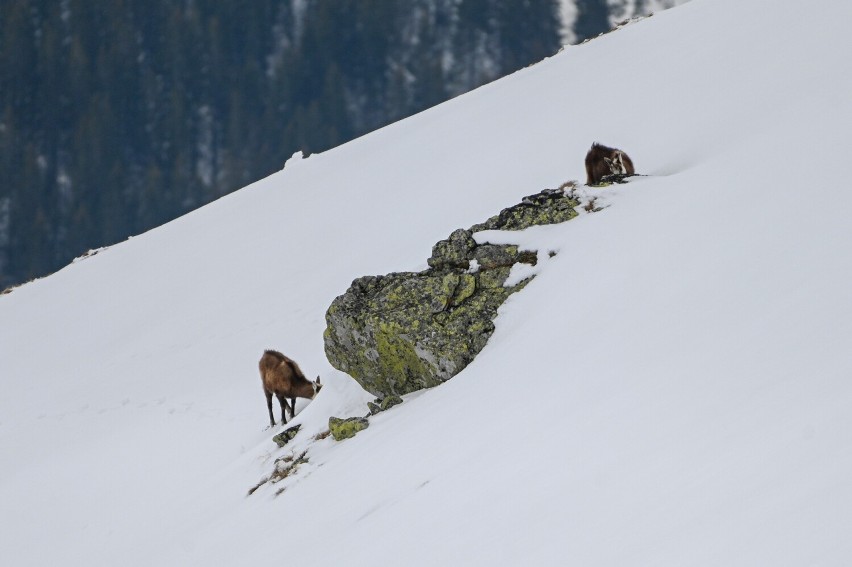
673,388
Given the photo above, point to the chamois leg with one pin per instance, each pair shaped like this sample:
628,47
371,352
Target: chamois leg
282,401
269,407
292,408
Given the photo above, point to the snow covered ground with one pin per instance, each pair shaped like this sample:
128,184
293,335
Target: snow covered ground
672,389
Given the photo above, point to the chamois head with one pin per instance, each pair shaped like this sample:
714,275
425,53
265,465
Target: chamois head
616,163
317,386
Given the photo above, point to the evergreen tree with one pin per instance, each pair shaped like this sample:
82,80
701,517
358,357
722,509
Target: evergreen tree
592,19
118,116
529,32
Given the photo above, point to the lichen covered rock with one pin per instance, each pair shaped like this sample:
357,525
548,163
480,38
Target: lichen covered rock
346,428
287,435
402,332
406,331
454,252
551,206
383,404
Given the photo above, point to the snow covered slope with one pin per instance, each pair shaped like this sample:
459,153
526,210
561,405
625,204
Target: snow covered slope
673,388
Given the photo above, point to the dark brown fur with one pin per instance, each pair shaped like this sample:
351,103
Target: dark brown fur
602,162
283,378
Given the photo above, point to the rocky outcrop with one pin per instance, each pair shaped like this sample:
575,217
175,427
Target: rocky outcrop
402,332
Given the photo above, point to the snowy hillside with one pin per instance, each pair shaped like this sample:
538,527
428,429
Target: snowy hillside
672,389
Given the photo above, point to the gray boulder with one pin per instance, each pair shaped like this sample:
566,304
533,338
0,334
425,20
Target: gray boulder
402,332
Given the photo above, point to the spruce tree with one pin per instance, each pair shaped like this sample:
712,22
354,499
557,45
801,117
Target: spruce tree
592,19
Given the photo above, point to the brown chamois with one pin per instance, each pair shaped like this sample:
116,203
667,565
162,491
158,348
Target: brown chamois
283,377
603,162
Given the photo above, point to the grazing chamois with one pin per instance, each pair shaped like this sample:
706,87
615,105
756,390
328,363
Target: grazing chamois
283,377
603,162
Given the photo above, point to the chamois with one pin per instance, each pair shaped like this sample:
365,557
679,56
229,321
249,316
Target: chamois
283,377
603,162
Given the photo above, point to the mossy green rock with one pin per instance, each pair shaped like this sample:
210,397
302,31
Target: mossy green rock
402,332
346,428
